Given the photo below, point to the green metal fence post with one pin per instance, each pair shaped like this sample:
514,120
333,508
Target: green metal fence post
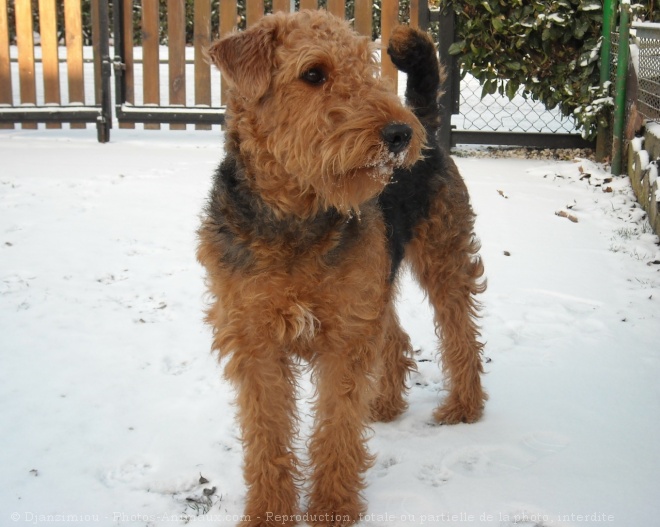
620,88
609,7
604,135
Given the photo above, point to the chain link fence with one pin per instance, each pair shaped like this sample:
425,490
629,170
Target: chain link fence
522,114
498,113
614,56
648,90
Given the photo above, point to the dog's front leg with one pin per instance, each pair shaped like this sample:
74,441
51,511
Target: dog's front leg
338,449
265,385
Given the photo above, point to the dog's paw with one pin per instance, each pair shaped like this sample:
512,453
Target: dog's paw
384,411
268,519
335,511
274,506
335,517
451,413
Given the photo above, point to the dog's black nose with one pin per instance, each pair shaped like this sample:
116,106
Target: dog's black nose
396,136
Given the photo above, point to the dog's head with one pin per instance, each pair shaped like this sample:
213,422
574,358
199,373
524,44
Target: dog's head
311,118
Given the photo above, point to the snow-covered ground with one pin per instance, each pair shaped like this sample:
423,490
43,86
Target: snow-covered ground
111,406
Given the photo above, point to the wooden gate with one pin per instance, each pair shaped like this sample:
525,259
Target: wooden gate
44,82
50,108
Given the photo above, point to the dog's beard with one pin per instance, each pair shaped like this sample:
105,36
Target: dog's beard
383,166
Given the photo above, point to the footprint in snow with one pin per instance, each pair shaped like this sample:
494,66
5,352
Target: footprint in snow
383,466
544,443
525,518
131,472
173,367
487,460
434,475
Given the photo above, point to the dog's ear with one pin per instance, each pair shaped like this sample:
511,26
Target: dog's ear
246,59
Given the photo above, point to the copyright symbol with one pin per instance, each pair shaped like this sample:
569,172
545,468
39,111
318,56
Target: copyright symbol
15,516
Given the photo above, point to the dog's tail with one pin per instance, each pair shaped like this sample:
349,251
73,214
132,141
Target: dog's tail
413,52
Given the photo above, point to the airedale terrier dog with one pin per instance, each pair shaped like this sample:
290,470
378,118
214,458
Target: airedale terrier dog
329,184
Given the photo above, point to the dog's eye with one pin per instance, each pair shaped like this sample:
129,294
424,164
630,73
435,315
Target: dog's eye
314,76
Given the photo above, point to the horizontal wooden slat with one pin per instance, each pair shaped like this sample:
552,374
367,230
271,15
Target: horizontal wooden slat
150,114
41,114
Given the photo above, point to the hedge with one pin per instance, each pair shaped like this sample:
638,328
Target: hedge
549,48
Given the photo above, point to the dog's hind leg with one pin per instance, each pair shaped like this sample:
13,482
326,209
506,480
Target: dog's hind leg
444,259
443,249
